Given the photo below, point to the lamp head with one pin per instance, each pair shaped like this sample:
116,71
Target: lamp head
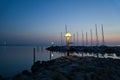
68,36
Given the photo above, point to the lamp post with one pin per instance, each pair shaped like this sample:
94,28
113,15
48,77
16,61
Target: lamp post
68,37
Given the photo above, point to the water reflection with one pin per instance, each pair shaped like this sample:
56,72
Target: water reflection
14,59
51,55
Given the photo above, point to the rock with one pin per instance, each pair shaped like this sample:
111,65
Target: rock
1,77
26,72
21,77
58,76
79,76
45,79
73,68
35,67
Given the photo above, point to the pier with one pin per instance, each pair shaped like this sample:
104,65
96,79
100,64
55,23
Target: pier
86,49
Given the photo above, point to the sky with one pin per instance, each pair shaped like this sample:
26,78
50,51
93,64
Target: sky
42,21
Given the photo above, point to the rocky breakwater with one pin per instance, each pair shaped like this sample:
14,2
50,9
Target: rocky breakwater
73,68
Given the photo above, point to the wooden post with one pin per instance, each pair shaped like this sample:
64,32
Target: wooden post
50,55
33,55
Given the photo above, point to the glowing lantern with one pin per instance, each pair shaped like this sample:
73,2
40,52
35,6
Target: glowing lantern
68,37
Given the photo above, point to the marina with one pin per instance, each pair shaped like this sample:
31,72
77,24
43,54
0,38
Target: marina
59,40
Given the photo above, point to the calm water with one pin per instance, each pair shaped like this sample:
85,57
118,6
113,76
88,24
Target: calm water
14,59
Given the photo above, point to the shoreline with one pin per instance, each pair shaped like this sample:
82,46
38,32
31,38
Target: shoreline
72,68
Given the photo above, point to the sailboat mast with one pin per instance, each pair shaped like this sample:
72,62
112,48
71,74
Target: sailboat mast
86,39
91,36
74,39
97,42
77,38
102,34
61,38
65,28
82,39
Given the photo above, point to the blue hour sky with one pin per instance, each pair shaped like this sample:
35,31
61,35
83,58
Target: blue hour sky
41,21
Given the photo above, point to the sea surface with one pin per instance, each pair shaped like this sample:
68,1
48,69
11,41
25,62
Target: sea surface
14,59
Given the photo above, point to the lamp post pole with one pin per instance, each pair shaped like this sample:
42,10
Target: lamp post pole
68,37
